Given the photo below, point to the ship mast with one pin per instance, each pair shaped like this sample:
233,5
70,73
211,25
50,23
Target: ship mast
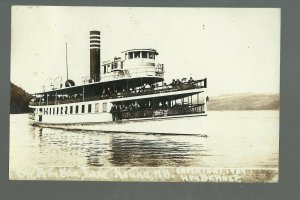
67,61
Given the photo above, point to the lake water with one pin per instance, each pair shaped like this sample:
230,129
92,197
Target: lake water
235,139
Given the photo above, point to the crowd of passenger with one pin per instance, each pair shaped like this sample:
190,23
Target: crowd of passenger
146,110
182,81
136,106
112,93
146,87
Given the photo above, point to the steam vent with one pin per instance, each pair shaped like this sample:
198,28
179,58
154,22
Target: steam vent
95,55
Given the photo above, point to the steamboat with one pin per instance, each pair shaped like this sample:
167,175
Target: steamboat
126,94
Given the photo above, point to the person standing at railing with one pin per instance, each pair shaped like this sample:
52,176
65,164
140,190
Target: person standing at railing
119,114
165,86
147,87
113,112
142,89
165,105
103,92
207,98
173,82
109,91
191,81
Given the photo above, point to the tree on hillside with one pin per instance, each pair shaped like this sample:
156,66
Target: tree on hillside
19,100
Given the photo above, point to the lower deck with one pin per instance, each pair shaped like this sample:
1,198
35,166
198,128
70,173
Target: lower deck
177,110
176,103
114,115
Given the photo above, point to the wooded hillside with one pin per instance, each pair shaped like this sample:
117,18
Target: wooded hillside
19,100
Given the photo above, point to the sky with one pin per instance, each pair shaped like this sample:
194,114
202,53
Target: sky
236,49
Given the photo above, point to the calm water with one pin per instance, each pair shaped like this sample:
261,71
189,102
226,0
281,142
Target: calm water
247,139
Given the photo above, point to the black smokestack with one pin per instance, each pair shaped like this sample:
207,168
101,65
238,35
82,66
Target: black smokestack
95,55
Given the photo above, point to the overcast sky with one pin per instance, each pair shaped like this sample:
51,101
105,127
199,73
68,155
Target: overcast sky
238,50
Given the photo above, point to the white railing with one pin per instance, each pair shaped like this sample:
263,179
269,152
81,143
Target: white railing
129,73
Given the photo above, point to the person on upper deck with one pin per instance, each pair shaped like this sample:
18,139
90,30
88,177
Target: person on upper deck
191,80
142,89
173,82
147,87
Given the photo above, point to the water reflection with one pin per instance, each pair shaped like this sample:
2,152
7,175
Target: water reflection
149,150
122,149
235,139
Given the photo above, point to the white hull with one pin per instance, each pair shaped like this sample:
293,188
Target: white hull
187,124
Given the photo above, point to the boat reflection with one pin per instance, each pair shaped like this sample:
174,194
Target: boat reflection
92,148
156,150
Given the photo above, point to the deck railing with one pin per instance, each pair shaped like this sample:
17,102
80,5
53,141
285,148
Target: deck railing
136,92
160,112
128,73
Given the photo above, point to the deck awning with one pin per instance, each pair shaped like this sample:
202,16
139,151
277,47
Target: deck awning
167,95
117,84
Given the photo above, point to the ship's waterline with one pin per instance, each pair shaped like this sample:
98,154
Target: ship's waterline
163,125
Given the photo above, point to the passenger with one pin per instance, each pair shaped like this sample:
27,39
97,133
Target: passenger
118,112
178,81
113,112
160,105
165,86
142,89
103,92
191,80
166,105
109,91
177,105
152,87
173,82
147,87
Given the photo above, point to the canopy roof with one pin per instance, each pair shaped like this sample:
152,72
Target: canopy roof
118,84
134,50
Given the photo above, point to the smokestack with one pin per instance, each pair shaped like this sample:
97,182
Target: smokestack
95,55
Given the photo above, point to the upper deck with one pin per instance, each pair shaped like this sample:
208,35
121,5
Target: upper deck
135,63
116,90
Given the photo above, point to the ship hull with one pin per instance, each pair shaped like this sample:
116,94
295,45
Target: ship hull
186,125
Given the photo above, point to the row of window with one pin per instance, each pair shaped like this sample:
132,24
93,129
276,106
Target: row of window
140,54
76,109
108,67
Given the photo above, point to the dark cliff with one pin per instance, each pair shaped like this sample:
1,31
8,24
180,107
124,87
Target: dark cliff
19,100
